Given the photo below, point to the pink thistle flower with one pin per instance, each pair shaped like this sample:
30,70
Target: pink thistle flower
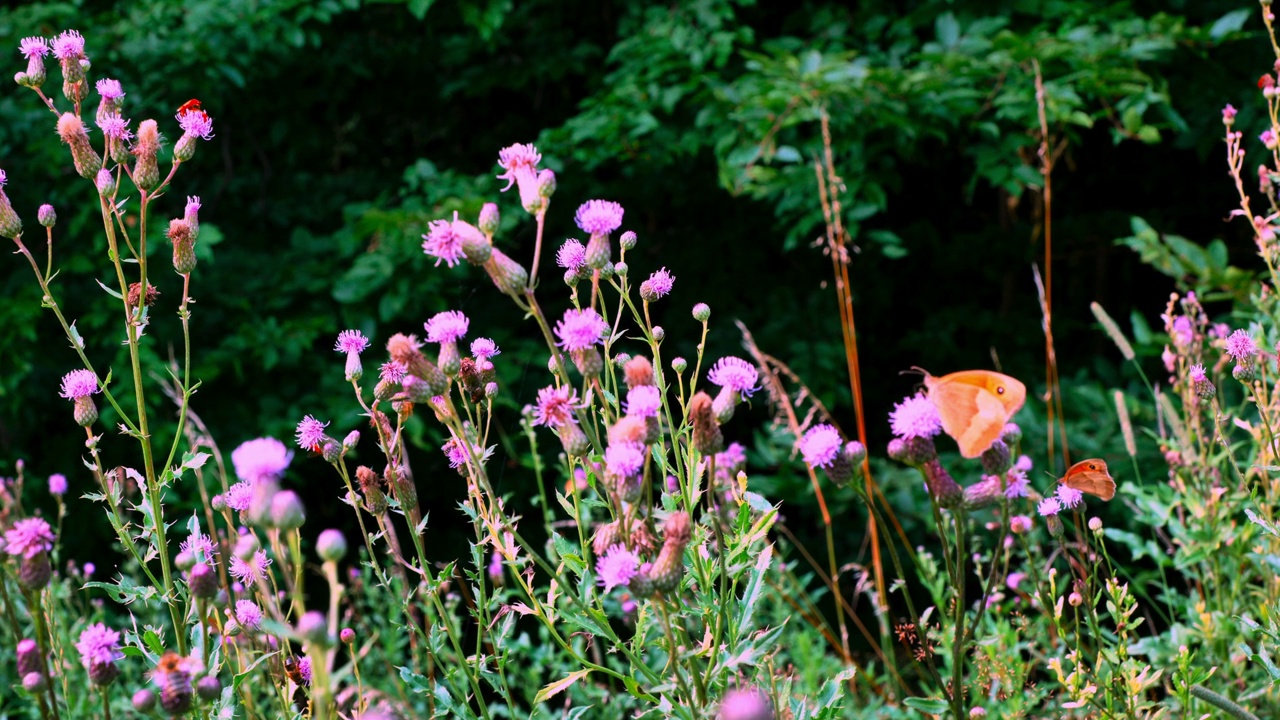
1019,524
115,127
109,89
310,433
598,217
1016,484
736,374
1023,463
1241,347
79,383
821,445
251,571
68,45
624,459
572,255
1228,114
915,416
581,329
1197,374
57,484
555,406
248,614
196,123
617,566
1048,506
239,496
459,454
304,669
392,372
261,459
29,537
351,341
734,456
98,645
644,401
520,165
33,47
1069,497
446,326
201,546
443,243
1182,331
484,348
658,285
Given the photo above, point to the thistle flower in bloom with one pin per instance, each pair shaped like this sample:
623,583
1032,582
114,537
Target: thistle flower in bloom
1069,497
1241,347
57,484
572,255
1016,484
737,379
252,570
248,614
483,349
1182,331
196,123
33,47
109,89
115,127
624,459
99,648
261,458
68,45
581,329
28,538
520,163
442,243
352,342
239,496
915,416
304,669
1049,506
310,433
456,450
644,401
658,285
555,406
598,217
820,445
617,566
79,383
201,546
1200,382
1196,374
447,326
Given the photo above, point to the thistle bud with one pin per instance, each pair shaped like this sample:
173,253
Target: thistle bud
706,431
573,439
350,441
34,572
144,701
371,485
679,364
146,173
46,215
209,688
84,411
106,183
546,184
589,361
489,218
507,274
184,254
996,459
287,512
203,581
668,568
941,486
620,269
331,546
401,481
135,295
33,682
659,334
598,251
627,240
330,450
29,659
71,130
10,223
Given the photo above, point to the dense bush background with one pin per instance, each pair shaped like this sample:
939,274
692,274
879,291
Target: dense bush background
344,128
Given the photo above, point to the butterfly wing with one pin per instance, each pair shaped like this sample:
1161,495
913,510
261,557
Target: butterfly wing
1092,477
974,406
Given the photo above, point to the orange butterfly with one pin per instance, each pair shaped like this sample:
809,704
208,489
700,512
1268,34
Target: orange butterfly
1090,476
974,406
191,105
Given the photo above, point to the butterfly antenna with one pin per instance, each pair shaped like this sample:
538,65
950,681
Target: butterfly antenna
914,371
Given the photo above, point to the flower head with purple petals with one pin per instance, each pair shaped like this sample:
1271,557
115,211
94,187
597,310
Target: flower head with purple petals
351,341
29,537
1241,347
915,416
644,401
821,445
484,348
555,406
57,484
734,373
446,326
109,89
310,433
581,329
617,566
197,123
201,546
69,45
1197,374
98,645
33,47
392,372
115,127
79,383
248,614
239,496
518,159
443,242
252,570
304,669
261,459
1182,331
1049,506
1069,497
1016,484
572,255
658,285
598,217
624,459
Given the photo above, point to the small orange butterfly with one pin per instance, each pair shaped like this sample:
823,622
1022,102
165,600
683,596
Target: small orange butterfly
191,105
1090,476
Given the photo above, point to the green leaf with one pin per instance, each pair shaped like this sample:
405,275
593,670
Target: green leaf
932,706
1229,23
560,685
419,8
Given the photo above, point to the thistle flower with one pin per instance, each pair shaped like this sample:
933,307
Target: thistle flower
1200,382
572,256
624,459
68,45
71,130
451,241
1019,524
707,438
310,433
1241,347
638,371
28,538
239,496
456,450
580,329
111,93
657,286
1181,331
644,401
737,379
352,342
520,165
1016,484
29,659
599,218
196,125
915,416
252,570
261,458
34,49
821,445
447,328
201,546
616,567
99,648
1049,506
183,238
57,484
146,173
78,386
484,349
1068,497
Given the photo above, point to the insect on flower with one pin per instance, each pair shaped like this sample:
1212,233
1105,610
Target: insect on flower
192,105
293,671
